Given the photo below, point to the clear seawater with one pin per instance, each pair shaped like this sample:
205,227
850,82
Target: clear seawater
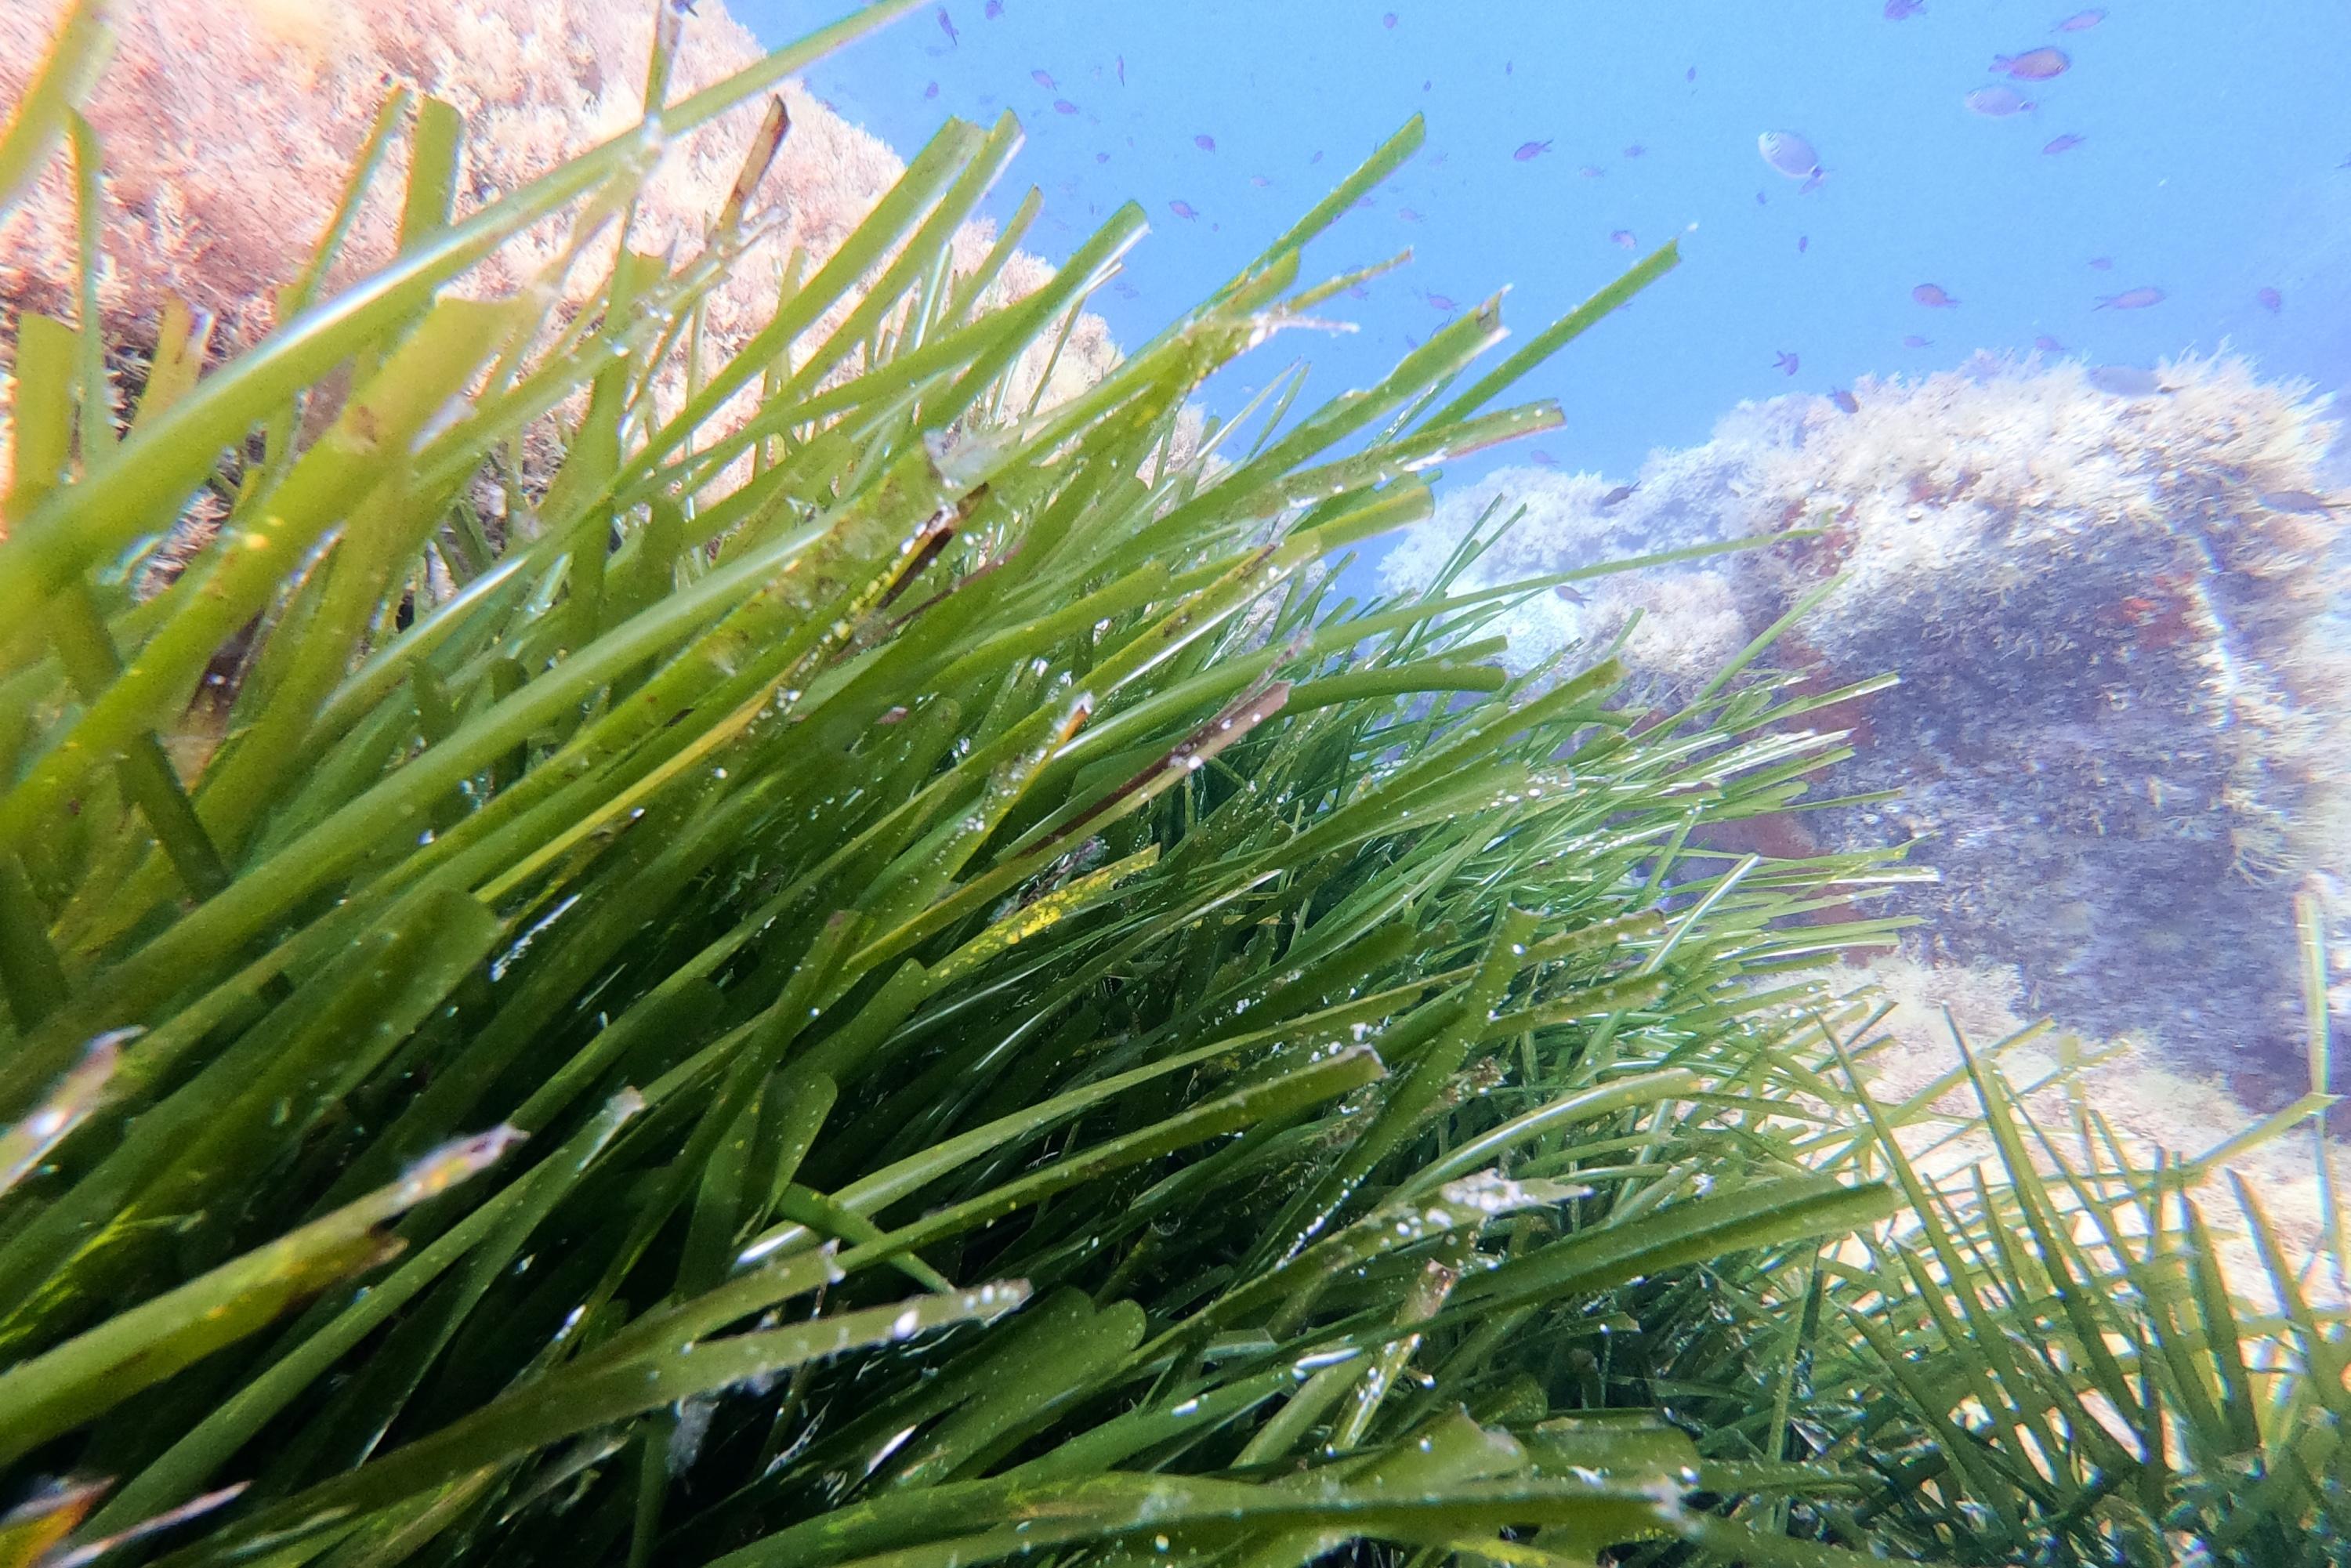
2214,137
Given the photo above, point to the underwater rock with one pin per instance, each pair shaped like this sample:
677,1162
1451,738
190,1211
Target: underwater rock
2126,678
230,126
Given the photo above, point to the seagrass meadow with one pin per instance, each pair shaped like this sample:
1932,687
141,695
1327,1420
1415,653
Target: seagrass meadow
856,964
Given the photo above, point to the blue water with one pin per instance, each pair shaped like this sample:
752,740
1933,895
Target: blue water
2209,168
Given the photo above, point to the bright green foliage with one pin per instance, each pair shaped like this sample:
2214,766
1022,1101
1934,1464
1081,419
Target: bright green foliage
943,999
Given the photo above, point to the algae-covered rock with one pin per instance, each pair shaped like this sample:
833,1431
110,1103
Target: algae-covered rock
2121,623
229,129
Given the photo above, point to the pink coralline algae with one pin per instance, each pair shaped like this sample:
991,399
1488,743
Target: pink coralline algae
2125,674
228,131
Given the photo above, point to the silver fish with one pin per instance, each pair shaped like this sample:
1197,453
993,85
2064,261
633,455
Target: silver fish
2127,380
2301,502
1998,102
1789,154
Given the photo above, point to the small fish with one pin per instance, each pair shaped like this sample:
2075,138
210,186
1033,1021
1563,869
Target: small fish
1592,172
1998,102
2133,299
2270,300
1570,593
1183,209
2034,65
1623,239
1042,78
1440,302
1545,458
1063,106
2065,144
1126,290
1359,291
1637,151
1407,214
1898,10
1101,157
1122,70
995,9
1915,341
1620,495
2081,21
1788,154
1804,244
1530,150
2301,502
2102,264
1786,362
1260,181
1933,296
2126,381
1204,143
1691,75
946,26
2048,345
1388,20
931,91
893,715
1845,400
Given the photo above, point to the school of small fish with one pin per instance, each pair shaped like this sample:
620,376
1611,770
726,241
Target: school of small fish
2034,67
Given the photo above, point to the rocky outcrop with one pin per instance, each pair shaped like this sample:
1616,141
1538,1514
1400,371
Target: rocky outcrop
2122,623
229,130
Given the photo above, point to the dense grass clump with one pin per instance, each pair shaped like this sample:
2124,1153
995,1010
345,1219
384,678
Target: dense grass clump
904,982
